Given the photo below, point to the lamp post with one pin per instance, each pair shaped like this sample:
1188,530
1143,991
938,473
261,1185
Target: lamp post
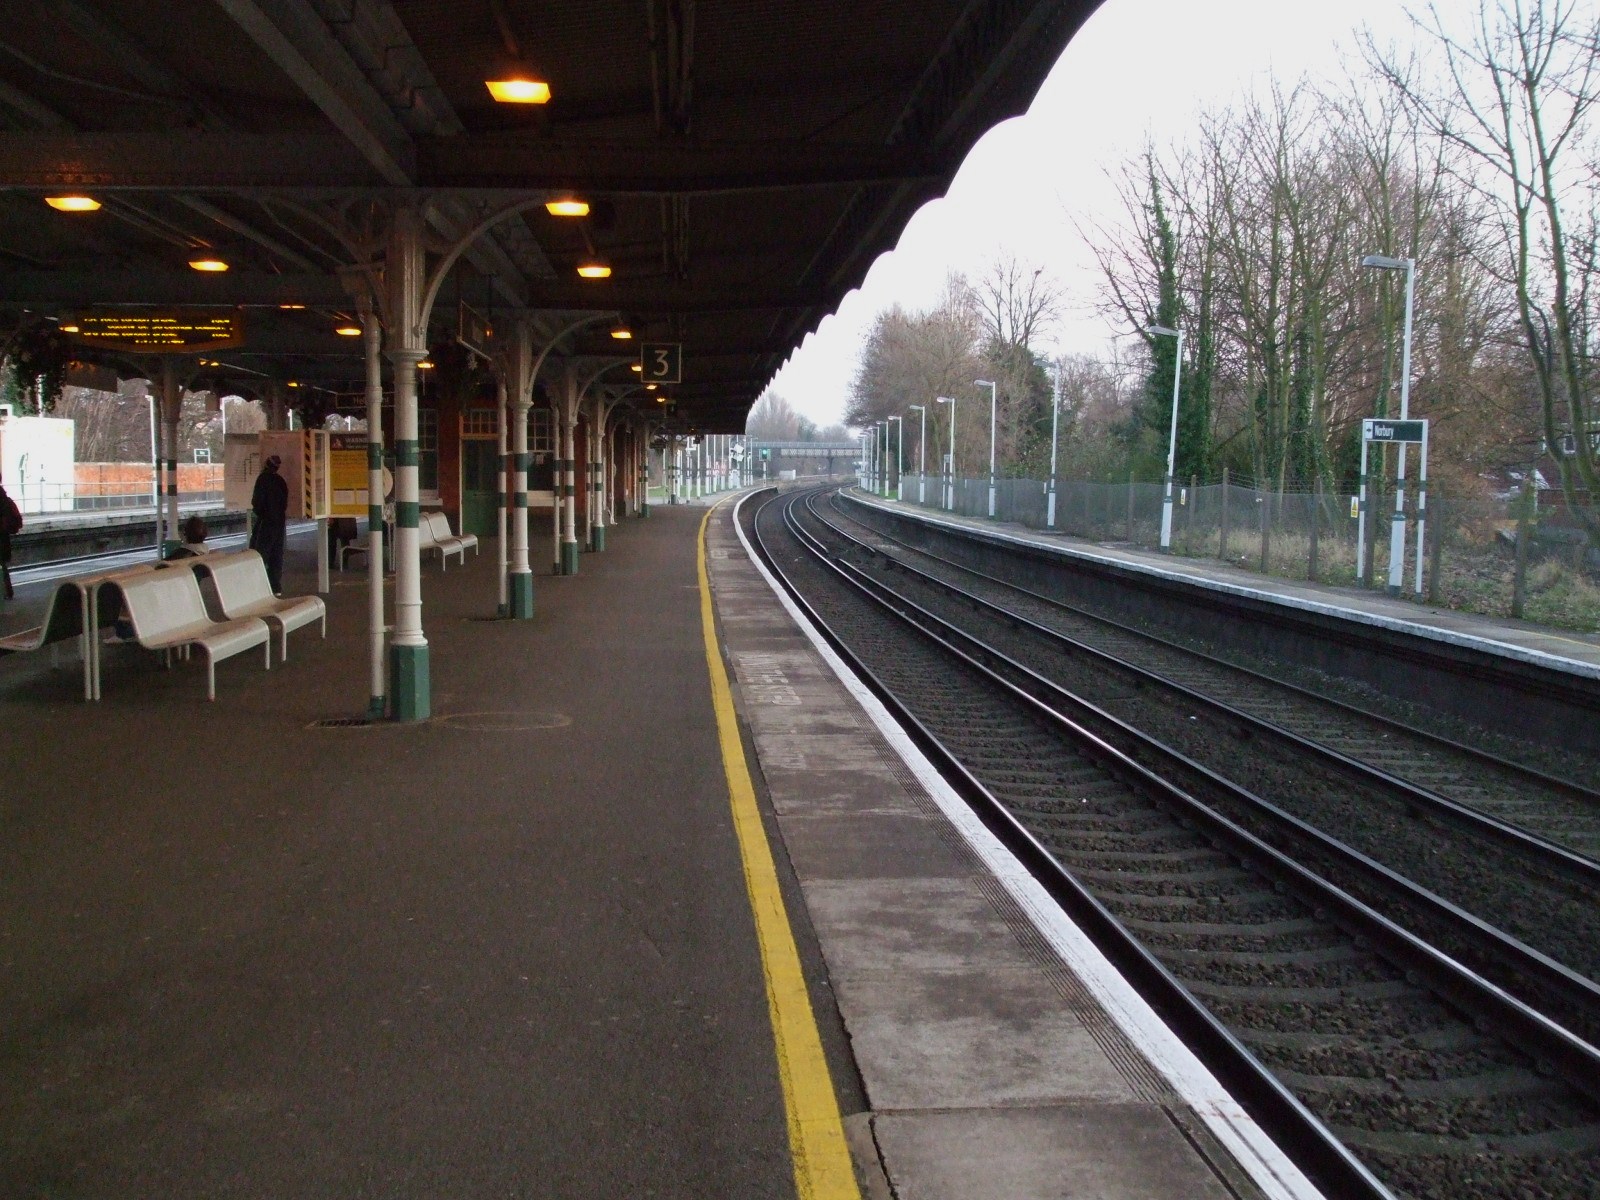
950,494
1172,438
1397,529
899,455
989,383
922,455
1055,414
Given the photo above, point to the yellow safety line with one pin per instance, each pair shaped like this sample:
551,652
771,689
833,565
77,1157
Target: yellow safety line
822,1169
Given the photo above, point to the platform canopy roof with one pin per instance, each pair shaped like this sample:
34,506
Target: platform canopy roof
744,163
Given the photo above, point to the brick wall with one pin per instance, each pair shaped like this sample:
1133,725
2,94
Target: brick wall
125,479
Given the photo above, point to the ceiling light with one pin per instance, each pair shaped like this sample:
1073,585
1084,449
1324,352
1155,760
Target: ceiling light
68,328
517,85
208,264
649,387
594,269
293,383
348,331
569,206
291,306
621,332
72,203
424,365
637,369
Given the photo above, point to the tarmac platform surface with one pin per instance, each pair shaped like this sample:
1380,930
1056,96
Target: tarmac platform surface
510,951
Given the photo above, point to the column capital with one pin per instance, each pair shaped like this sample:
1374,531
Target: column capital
406,355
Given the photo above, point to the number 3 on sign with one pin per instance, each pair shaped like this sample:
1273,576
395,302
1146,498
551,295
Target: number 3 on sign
661,362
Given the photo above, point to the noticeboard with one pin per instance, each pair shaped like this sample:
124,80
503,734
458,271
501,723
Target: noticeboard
347,474
157,331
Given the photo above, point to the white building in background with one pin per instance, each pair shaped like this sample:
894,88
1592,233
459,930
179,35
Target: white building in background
38,463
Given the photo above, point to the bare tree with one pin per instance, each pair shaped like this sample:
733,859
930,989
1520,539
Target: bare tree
1516,99
772,418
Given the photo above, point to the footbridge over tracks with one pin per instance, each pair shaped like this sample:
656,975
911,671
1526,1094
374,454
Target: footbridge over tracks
463,221
804,458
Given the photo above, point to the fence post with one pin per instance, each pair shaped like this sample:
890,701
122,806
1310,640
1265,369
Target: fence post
1436,549
1265,500
1316,522
1519,578
1222,543
1188,525
1130,506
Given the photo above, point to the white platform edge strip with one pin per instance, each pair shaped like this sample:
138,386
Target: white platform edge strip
1255,1152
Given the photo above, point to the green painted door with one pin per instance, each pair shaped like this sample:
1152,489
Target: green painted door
480,487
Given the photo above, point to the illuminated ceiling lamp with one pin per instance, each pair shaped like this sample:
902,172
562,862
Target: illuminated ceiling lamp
517,84
425,365
348,331
637,369
567,206
594,268
621,332
67,328
208,264
72,203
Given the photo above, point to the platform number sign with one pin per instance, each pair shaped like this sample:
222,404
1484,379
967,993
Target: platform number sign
661,362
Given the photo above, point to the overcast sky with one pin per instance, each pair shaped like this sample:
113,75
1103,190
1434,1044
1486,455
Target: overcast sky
1138,68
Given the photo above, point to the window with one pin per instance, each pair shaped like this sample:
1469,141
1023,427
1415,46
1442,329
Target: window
541,431
480,423
428,453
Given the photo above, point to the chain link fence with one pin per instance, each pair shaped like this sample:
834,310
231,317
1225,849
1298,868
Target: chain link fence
1470,553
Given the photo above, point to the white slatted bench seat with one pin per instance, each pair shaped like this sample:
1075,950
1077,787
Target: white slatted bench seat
433,533
243,591
168,613
64,618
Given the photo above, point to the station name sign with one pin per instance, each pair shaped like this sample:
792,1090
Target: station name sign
1395,431
157,331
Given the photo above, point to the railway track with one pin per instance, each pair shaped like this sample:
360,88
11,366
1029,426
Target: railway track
1331,1017
1469,868
1528,797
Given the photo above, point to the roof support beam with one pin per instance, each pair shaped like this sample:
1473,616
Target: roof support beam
469,162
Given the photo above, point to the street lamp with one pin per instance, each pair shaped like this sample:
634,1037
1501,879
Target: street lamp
1172,438
1055,414
899,455
989,383
1397,530
950,495
922,455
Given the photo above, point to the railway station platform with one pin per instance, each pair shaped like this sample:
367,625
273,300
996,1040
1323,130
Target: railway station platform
1523,641
512,950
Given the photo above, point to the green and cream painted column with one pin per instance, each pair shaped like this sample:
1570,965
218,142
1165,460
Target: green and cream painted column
597,451
171,411
521,577
567,423
372,335
408,650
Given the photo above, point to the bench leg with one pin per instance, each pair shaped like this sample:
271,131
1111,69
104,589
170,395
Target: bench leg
324,624
266,648
211,676
283,643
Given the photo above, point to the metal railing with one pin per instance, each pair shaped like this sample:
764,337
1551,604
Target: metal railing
42,498
1470,551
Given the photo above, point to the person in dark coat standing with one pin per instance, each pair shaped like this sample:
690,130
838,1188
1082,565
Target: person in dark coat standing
270,504
10,522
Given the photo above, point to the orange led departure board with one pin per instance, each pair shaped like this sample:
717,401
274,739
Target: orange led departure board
162,331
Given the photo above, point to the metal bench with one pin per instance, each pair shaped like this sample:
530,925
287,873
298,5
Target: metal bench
242,591
434,534
168,612
66,616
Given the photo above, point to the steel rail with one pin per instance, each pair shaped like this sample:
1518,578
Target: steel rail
1548,1043
1555,783
1558,859
1575,989
1281,1115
